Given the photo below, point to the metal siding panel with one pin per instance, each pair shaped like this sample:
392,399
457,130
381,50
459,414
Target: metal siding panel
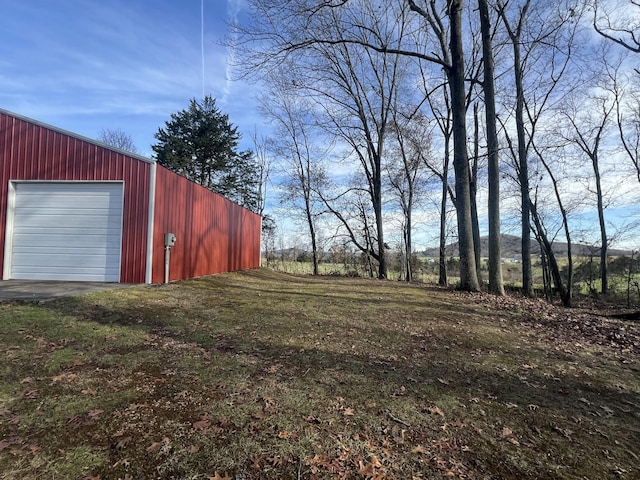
214,235
31,151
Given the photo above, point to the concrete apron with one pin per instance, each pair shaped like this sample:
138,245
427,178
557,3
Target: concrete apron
40,290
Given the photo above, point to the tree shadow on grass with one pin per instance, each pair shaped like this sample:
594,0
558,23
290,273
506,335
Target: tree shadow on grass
434,362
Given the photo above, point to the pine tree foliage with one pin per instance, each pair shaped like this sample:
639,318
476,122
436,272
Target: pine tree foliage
201,144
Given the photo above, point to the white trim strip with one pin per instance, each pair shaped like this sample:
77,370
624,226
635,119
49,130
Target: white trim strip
150,223
8,231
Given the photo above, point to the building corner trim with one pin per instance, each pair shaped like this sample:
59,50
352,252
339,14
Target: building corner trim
150,223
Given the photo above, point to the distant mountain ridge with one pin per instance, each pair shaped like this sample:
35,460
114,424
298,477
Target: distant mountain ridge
511,248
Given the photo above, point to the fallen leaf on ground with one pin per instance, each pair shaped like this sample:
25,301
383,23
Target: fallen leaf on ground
434,410
154,447
370,470
7,442
70,377
203,423
507,434
122,443
215,476
31,394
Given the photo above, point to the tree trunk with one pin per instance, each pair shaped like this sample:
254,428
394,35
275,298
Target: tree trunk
312,232
473,186
408,242
546,274
604,277
382,254
565,296
442,265
496,285
455,73
523,176
522,161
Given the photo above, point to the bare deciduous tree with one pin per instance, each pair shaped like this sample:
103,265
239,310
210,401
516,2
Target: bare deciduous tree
440,106
541,35
618,22
333,29
117,138
587,132
495,256
264,164
409,144
301,168
452,59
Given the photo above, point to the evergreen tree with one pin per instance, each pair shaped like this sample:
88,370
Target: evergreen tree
202,145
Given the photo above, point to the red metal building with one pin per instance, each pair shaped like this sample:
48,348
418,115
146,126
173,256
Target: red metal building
72,208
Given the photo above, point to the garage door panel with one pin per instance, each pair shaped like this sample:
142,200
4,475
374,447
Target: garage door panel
86,218
67,231
88,276
68,188
77,202
67,250
91,241
66,225
70,249
70,261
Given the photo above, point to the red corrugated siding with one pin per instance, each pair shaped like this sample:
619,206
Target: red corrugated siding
214,235
29,151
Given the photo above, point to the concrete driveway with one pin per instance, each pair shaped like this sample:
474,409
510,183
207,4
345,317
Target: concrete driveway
40,290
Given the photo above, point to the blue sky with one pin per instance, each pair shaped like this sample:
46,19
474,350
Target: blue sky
85,65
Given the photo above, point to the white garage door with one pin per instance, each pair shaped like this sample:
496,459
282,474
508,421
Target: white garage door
67,231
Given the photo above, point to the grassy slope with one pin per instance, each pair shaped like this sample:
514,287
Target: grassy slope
261,375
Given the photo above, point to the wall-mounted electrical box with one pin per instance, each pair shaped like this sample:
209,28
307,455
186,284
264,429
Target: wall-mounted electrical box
169,239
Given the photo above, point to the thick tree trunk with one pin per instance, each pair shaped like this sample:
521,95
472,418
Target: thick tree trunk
408,243
468,277
496,285
523,175
473,185
382,254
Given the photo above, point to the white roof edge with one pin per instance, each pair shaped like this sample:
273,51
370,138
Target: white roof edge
77,136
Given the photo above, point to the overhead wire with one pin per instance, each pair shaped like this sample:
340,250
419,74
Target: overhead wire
202,43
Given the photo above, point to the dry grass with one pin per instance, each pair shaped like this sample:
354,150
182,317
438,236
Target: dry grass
260,375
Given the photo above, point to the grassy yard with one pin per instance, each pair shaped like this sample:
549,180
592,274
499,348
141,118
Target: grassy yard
261,375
